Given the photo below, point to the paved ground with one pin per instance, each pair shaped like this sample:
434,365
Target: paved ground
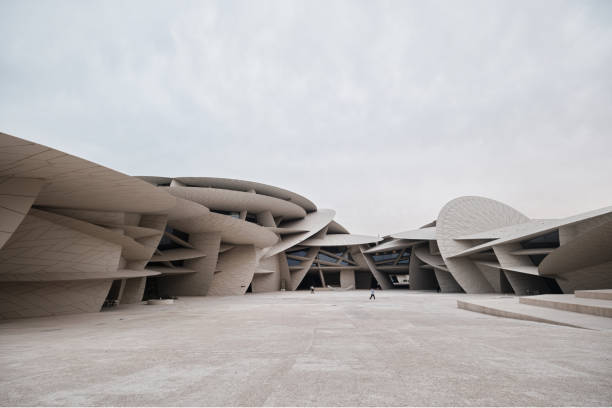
331,348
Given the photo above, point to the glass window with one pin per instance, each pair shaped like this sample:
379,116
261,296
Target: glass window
325,257
550,240
385,256
301,252
293,262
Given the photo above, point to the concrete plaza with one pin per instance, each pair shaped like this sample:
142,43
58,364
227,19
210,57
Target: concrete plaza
294,348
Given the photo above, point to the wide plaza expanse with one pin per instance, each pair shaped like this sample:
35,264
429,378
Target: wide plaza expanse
297,348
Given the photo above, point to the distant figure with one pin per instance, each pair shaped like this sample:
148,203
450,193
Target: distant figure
312,289
372,294
438,290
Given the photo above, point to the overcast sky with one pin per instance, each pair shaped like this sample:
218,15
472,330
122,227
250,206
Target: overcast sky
383,111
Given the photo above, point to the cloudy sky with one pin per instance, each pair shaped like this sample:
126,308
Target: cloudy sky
381,110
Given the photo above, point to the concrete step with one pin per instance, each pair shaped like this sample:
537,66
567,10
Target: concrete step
604,294
510,307
570,303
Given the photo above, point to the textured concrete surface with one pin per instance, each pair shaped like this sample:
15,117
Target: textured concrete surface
513,307
294,348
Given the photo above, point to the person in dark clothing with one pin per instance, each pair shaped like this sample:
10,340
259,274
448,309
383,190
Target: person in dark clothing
372,296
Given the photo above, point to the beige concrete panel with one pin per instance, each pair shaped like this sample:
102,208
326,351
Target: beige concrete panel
382,278
155,180
186,209
422,252
347,279
242,185
166,270
97,217
150,221
73,275
177,254
532,251
422,234
266,219
570,232
592,277
392,245
133,290
177,240
131,249
225,247
420,279
335,228
32,299
298,275
507,259
590,248
40,247
524,227
526,269
340,240
285,231
524,284
229,200
447,283
534,228
313,223
359,258
285,273
267,282
465,216
469,215
236,269
72,182
492,275
233,230
16,198
196,284
434,249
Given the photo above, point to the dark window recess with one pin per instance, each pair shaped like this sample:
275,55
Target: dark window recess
550,240
251,218
157,264
178,263
113,294
293,262
384,256
327,258
364,280
151,288
345,263
338,250
164,185
332,278
404,262
232,214
537,259
301,252
166,243
394,279
311,279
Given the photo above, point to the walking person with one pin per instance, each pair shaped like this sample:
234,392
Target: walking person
372,296
312,289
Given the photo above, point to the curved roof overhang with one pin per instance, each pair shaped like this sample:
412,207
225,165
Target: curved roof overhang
72,182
